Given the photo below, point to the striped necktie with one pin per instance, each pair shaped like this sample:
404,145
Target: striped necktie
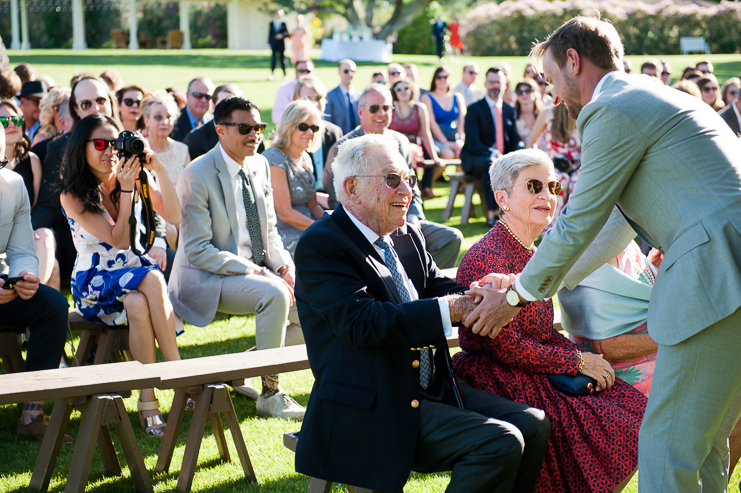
253,220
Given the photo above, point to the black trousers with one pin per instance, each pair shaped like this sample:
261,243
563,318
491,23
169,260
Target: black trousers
479,166
494,445
46,316
281,57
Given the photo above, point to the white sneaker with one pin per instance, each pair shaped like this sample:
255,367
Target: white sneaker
247,390
280,405
271,77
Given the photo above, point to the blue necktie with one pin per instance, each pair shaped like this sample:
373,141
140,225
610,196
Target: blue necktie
253,220
392,262
351,114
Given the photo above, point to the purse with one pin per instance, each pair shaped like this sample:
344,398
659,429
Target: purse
573,385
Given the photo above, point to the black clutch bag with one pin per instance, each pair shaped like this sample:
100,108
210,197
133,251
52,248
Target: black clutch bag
573,385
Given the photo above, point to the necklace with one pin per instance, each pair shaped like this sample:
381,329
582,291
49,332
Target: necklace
529,249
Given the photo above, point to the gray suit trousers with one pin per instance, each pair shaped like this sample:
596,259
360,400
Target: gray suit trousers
698,405
443,243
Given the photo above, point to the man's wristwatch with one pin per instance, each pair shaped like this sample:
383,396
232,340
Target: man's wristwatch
282,270
513,298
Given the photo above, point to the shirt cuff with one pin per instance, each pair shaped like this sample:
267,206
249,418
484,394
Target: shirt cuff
445,315
523,292
160,243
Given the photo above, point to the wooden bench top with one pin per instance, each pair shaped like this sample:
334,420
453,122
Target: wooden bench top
75,382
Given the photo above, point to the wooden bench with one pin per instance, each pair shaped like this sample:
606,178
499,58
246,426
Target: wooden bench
693,44
470,184
96,389
204,380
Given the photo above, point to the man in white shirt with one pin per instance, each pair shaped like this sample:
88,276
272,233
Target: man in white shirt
284,96
231,258
467,88
342,101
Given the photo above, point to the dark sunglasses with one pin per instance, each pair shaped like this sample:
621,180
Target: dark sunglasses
471,72
87,104
102,144
303,70
385,107
441,77
393,180
245,129
305,126
536,186
348,70
201,95
131,102
393,73
17,121
401,88
316,99
666,73
709,89
520,92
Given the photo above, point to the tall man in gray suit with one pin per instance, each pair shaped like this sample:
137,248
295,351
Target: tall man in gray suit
673,168
231,258
342,101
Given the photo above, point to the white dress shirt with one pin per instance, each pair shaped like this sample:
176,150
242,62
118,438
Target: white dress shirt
244,243
371,236
498,104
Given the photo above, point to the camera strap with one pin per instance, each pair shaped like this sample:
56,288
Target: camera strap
147,217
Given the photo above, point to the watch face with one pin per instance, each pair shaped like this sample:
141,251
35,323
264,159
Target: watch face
512,298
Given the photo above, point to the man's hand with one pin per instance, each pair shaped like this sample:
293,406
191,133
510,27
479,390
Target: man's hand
288,277
28,286
6,295
655,257
460,307
599,368
160,255
492,313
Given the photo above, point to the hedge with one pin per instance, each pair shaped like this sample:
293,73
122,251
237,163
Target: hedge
510,28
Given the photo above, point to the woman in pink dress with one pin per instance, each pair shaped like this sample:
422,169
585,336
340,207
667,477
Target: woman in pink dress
301,48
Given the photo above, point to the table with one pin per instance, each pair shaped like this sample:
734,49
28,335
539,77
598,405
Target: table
357,50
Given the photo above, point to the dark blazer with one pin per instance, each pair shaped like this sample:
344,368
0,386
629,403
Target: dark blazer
182,127
48,211
481,134
360,427
729,116
337,111
277,44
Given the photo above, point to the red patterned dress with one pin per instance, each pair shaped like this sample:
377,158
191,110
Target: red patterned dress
594,439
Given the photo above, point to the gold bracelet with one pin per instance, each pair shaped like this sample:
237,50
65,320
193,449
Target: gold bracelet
581,361
282,270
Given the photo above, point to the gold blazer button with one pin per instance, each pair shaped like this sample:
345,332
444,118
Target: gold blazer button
415,403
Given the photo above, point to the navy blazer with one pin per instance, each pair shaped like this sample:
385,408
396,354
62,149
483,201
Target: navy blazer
729,116
481,134
360,427
277,44
337,111
182,127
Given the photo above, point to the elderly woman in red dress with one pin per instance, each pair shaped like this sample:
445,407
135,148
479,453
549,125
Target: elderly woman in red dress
594,439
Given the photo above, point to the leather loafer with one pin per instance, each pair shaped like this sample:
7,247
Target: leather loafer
37,429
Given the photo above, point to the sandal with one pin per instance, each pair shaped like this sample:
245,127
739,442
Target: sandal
153,425
190,404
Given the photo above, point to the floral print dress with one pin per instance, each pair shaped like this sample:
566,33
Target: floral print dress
103,275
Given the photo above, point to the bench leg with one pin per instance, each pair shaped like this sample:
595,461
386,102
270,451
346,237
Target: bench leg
82,457
320,486
451,200
11,356
50,446
105,347
108,453
172,430
131,450
244,457
84,348
218,428
195,435
466,212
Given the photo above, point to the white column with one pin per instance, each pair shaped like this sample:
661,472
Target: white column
185,23
78,26
25,43
133,35
15,44
232,25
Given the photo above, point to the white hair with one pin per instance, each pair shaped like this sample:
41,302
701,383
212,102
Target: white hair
353,158
505,170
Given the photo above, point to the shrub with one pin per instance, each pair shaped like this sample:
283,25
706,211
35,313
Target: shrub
510,28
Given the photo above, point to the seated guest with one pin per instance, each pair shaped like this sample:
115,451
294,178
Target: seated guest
198,108
705,67
692,74
30,97
413,76
230,258
492,132
113,79
342,101
159,113
711,91
729,90
379,78
63,121
49,114
130,108
470,92
284,96
27,304
180,98
366,293
110,284
528,105
291,172
651,67
731,114
395,71
202,139
689,87
374,113
310,88
25,71
594,439
28,165
447,115
10,84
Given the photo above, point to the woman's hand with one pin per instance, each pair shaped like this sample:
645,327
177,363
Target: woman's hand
655,257
151,161
128,171
495,280
599,368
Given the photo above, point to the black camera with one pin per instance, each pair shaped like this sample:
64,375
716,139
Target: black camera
129,144
565,165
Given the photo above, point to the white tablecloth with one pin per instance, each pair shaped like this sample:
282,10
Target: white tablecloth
360,51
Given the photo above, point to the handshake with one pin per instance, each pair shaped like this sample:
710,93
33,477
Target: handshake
466,308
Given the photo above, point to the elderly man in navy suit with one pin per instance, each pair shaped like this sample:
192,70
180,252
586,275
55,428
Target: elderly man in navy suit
366,293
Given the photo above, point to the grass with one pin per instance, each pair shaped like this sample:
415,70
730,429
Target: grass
273,463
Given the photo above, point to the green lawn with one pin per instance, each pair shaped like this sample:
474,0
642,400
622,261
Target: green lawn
272,462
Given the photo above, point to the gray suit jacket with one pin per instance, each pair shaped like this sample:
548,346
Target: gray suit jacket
209,231
337,111
17,250
729,116
673,168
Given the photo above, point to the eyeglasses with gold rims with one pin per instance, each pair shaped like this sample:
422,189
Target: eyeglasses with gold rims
536,186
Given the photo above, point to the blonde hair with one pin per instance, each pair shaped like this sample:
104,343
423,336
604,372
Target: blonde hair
295,113
53,98
162,97
312,82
